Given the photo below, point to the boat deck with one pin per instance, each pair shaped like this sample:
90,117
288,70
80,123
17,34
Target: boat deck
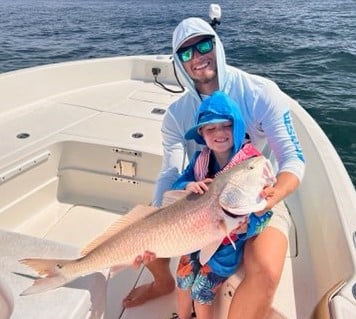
81,137
82,147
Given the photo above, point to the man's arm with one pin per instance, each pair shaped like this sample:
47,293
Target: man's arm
173,157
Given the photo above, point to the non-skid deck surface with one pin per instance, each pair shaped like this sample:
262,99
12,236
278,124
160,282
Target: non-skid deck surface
160,308
120,109
163,307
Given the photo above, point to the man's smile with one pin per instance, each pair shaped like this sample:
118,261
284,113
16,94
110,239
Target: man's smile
201,66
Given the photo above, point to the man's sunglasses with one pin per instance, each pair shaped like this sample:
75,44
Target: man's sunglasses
204,46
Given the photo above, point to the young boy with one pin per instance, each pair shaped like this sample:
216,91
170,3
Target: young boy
221,128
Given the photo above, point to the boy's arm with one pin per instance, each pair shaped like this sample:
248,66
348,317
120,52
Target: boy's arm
187,176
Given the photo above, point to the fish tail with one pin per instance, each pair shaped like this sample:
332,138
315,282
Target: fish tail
50,269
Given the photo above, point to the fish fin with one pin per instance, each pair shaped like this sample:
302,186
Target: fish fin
45,284
236,224
231,241
45,267
137,213
224,227
208,251
49,268
170,197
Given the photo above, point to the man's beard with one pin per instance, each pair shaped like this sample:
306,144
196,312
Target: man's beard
206,79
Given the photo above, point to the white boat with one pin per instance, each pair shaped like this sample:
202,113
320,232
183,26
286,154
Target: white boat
81,145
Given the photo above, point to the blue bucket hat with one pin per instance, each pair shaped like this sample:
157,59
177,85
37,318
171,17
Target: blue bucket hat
218,108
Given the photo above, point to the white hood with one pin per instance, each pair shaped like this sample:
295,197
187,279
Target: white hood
187,29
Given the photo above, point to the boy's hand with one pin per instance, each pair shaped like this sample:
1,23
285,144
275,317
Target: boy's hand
199,187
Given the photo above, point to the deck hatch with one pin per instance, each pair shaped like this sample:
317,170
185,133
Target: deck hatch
125,168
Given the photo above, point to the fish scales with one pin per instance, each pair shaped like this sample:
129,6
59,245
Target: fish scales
175,224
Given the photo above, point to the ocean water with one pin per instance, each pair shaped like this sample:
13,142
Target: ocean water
308,47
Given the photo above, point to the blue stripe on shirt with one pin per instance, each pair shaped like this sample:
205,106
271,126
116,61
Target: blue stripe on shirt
293,136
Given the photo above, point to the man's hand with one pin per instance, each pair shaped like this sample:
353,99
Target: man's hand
286,184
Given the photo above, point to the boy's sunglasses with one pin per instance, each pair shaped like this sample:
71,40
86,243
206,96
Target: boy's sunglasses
204,46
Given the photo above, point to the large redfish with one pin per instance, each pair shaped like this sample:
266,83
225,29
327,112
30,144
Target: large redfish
193,222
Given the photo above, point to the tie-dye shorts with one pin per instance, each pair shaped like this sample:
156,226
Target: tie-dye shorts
204,281
201,280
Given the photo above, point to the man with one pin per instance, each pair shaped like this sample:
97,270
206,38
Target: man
200,61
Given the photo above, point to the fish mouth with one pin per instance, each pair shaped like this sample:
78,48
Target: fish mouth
226,212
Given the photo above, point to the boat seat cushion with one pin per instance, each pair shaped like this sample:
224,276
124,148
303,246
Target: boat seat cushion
80,297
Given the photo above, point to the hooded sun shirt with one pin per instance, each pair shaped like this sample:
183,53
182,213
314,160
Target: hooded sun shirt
264,108
219,108
216,108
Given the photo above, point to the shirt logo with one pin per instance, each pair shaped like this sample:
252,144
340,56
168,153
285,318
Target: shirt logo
292,135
